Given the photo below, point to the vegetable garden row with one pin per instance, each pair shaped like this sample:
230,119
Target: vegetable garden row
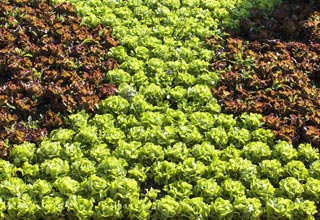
146,109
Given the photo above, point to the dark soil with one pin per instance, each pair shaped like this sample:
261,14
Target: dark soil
50,65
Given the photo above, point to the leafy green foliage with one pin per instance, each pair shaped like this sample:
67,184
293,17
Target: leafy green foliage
161,149
52,206
290,187
222,209
22,207
23,152
108,208
79,207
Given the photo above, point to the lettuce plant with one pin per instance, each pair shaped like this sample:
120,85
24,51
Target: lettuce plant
139,172
279,208
87,134
218,169
314,169
49,149
124,189
62,135
304,209
52,206
118,52
127,91
127,121
312,189
141,52
222,209
202,120
66,186
108,208
55,167
115,105
112,167
163,171
82,168
153,93
261,189
102,122
250,121
140,79
271,169
41,188
152,194
199,93
290,187
189,134
113,135
297,169
207,189
163,51
95,186
174,117
197,66
205,152
13,187
263,135
218,136
284,152
30,172
3,208
163,136
191,169
224,120
128,151
72,151
138,209
212,106
178,189
194,208
167,208
177,152
79,207
230,152
242,169
117,76
139,104
156,65
239,136
307,153
23,152
78,120
232,189
6,169
248,208
256,151
150,153
149,119
99,152
22,207
137,133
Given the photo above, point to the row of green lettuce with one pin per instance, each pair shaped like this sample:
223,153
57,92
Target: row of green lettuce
122,164
161,149
104,160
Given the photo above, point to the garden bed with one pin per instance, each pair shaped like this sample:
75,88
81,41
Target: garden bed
159,110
